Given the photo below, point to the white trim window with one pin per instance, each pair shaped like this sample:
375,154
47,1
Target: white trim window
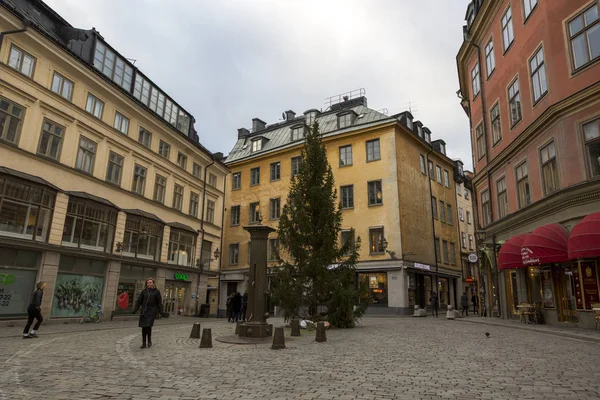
538,75
21,61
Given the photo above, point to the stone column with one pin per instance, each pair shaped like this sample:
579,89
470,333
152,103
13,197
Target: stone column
164,253
58,219
161,275
113,271
120,230
48,274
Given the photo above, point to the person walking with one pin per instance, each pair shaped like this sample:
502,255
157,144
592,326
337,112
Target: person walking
244,305
237,306
435,304
34,311
475,302
229,305
464,304
150,302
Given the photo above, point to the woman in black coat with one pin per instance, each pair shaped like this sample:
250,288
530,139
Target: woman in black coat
150,302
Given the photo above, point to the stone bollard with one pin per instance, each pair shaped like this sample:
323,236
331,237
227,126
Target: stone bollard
278,339
450,314
206,341
195,331
419,312
320,336
295,327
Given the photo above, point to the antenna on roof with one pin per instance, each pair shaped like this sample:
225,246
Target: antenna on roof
412,109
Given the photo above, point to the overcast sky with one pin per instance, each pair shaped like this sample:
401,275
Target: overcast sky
229,61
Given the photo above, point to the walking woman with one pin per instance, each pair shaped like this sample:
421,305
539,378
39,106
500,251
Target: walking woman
150,301
34,311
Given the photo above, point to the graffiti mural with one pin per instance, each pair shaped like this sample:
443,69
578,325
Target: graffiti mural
75,293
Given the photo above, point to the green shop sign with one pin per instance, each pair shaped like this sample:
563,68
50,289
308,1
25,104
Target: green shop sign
7,279
180,277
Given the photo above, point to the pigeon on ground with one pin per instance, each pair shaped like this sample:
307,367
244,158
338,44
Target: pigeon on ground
487,334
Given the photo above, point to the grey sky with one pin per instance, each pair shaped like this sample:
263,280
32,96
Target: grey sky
229,61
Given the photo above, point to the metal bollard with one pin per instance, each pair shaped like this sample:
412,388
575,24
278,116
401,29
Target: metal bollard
321,336
206,341
295,324
195,331
278,339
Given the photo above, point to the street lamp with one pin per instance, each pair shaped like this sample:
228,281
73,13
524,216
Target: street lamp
392,254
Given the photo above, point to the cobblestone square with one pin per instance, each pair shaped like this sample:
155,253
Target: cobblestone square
383,358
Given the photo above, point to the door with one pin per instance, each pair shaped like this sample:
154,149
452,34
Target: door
567,311
512,293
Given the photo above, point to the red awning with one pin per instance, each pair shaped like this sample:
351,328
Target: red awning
509,255
546,244
584,241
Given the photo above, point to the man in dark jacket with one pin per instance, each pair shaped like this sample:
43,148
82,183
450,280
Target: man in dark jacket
464,304
244,305
435,304
237,306
229,305
475,301
34,311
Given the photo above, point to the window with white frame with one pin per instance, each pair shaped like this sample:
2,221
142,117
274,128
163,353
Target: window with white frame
121,123
210,211
591,134
164,149
89,225
145,137
94,106
463,240
197,170
114,169
86,155
514,102
139,179
469,218
256,145
113,66
298,133
194,202
538,75
51,139
177,197
584,37
470,242
508,35
142,238
549,168
490,58
528,7
523,193
160,187
345,120
62,86
11,120
21,61
475,80
182,160
502,198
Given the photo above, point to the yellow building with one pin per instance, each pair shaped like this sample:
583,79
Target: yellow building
466,227
379,164
103,181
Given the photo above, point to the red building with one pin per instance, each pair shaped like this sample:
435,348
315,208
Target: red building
529,74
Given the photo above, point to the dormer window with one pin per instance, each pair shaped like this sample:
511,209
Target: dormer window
443,148
345,120
420,131
298,132
428,137
257,145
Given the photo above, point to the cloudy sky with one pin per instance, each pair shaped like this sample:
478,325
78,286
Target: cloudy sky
229,61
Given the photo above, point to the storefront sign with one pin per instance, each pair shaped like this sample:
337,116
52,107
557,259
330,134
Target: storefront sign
469,280
473,258
7,279
16,287
527,256
422,266
547,288
589,276
181,277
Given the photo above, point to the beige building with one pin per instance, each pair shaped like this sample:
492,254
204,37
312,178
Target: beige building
379,164
103,181
466,228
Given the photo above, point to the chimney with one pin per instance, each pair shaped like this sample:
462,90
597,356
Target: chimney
290,115
258,125
218,156
243,133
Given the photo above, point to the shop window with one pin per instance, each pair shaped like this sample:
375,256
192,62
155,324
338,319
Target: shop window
89,225
132,280
591,132
20,268
143,238
547,292
181,247
25,209
443,290
377,288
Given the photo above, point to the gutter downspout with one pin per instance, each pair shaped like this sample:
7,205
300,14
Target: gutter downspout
222,252
433,223
11,32
202,229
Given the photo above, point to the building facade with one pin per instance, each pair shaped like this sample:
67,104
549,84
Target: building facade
529,80
466,228
380,165
103,181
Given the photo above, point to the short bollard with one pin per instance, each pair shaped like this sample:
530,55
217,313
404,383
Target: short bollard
295,324
278,339
195,331
320,336
450,314
206,341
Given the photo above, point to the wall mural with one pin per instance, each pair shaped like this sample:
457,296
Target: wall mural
75,293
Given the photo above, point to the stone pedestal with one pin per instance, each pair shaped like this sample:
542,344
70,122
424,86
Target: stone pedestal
256,331
419,312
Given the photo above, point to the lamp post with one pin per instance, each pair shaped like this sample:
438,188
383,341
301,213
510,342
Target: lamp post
481,236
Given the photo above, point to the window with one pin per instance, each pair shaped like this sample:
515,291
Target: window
422,162
255,176
449,217
438,252
236,181
591,133
514,103
584,35
212,180
445,251
442,211
347,196
528,6
114,169
463,239
375,193
275,209
486,211
469,217
273,249
139,179
538,75
21,61
461,214
446,178
235,215
458,189
86,155
94,106
182,160
480,141
502,198
275,171
549,168
210,211
197,171
434,209
113,66
496,127
160,187
164,149
181,248
466,194
475,80
234,253
296,163
508,35
194,202
298,133
452,250
430,165
89,225
62,86
348,238
255,214
25,210
438,174
11,120
256,145
376,241
145,138
51,139
177,197
373,150
523,194
490,59
143,238
470,242
345,156
121,123
345,120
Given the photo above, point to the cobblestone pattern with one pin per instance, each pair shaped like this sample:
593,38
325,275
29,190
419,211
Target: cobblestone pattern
384,358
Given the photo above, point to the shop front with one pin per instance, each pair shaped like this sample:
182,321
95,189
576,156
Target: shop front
178,292
132,281
18,274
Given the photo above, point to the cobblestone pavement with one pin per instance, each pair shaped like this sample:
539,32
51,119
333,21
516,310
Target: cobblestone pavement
383,358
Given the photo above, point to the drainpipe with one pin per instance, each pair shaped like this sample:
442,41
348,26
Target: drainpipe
222,251
433,224
202,228
5,33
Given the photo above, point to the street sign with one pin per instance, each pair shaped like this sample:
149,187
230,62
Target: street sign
473,258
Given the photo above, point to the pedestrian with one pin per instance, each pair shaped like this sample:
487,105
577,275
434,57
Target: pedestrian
244,305
475,301
229,306
34,311
237,306
464,304
150,302
435,304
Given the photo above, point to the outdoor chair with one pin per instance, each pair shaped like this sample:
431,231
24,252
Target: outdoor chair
524,312
538,317
596,311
